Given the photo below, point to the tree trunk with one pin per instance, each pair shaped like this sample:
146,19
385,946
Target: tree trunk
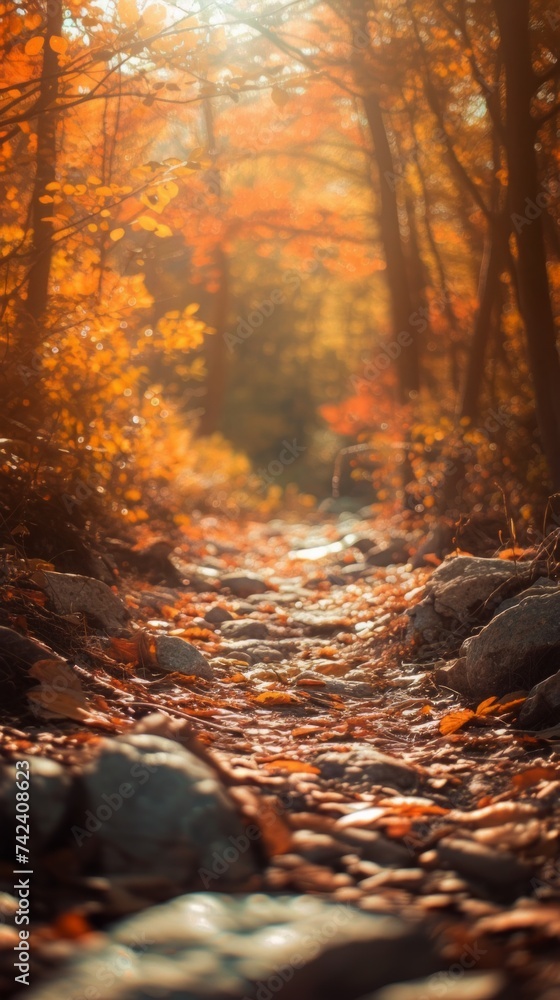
216,354
488,297
527,220
42,247
402,308
216,349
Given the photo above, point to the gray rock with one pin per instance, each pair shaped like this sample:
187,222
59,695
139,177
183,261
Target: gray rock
259,946
176,654
484,864
457,984
216,615
68,593
371,845
244,584
456,595
390,553
516,650
352,689
355,571
152,806
542,707
541,587
244,629
365,766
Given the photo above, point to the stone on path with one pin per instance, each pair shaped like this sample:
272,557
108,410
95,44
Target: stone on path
207,946
177,655
244,584
68,593
365,766
154,807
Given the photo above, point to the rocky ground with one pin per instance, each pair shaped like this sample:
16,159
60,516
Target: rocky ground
279,760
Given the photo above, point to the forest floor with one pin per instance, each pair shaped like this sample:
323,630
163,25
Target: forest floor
312,678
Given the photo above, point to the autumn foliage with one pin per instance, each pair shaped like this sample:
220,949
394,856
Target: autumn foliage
223,229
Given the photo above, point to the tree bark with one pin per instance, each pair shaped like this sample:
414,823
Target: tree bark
534,290
42,246
402,308
488,297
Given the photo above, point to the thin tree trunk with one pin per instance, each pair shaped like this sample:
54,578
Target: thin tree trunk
402,308
216,349
216,354
534,290
42,247
488,297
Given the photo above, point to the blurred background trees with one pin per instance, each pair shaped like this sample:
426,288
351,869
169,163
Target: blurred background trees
322,222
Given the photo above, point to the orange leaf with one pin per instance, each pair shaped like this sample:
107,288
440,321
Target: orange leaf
276,698
34,45
486,707
294,766
455,720
123,650
533,775
58,44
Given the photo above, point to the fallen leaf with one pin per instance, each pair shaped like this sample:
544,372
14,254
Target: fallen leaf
276,698
294,766
454,721
533,776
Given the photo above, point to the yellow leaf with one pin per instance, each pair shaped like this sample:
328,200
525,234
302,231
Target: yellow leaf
455,720
92,227
146,222
58,44
116,234
161,230
34,45
92,179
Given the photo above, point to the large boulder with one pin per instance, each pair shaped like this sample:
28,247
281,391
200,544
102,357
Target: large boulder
149,805
255,946
516,650
461,593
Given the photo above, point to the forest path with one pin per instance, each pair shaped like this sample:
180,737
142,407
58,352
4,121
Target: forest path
326,728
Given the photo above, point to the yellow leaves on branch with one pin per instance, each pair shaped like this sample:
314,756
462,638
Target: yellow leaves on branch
116,234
